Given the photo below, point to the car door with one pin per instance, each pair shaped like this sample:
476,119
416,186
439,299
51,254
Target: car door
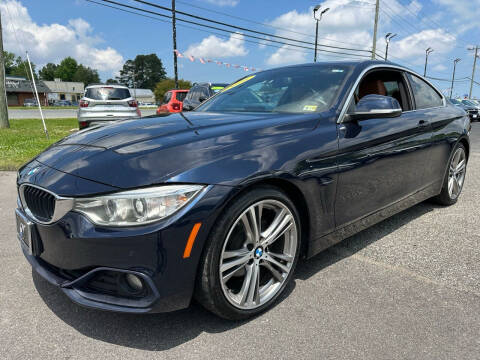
381,160
431,107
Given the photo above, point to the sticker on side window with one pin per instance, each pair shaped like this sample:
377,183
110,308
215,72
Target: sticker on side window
238,83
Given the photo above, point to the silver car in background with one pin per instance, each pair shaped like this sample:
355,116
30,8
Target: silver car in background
103,104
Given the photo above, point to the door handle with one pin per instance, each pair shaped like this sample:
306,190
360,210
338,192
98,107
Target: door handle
423,123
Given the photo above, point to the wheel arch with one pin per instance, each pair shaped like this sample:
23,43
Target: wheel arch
297,197
466,144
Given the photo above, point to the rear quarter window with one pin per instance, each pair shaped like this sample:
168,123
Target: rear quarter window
180,96
425,95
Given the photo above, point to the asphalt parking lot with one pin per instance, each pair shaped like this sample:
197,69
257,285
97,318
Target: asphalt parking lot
406,288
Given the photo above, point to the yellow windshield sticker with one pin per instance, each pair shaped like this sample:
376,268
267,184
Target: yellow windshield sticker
310,108
231,86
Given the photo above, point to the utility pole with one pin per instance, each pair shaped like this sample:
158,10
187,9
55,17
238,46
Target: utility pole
453,75
473,70
427,52
3,94
374,46
174,34
317,20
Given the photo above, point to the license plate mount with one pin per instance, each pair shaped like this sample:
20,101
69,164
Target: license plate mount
24,231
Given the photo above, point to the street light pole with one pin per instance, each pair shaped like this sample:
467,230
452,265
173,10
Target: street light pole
388,37
317,20
453,75
473,70
427,52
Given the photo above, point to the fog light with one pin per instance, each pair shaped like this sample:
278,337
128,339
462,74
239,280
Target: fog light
134,282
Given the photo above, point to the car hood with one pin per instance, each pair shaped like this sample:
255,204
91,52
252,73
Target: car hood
153,150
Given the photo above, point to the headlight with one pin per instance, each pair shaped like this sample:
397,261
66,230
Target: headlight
136,207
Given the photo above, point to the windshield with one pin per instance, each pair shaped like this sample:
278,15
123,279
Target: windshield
469,103
293,90
455,102
107,93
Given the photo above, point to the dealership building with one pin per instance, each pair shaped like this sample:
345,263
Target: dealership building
19,89
64,90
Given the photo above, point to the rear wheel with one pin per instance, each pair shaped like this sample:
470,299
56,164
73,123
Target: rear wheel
454,178
250,255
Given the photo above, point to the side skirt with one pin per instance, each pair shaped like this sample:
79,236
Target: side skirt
348,230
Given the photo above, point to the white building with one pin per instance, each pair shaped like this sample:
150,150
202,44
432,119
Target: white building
64,90
143,95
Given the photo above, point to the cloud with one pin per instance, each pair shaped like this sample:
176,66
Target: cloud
223,2
213,46
463,13
440,67
413,46
286,55
53,42
349,25
342,26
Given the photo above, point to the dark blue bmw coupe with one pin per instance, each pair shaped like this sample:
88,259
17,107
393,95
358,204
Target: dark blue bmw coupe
220,203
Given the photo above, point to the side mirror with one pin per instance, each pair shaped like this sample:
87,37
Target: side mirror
375,106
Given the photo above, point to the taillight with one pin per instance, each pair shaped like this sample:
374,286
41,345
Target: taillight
82,124
132,103
83,103
176,106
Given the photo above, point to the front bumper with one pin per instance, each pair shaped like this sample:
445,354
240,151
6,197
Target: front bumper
78,291
72,254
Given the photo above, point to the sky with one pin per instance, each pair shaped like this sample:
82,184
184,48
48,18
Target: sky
104,38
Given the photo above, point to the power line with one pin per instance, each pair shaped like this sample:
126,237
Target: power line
22,48
466,78
432,21
242,28
209,31
226,30
290,30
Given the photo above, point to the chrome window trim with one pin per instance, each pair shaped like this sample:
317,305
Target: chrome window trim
62,205
394,67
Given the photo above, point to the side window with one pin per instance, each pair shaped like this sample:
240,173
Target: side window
204,93
167,97
387,83
425,95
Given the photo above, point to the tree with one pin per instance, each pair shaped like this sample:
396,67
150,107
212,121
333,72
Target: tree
66,69
48,72
111,81
163,86
17,66
86,75
145,70
9,61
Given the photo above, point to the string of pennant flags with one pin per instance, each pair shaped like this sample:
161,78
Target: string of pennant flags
219,63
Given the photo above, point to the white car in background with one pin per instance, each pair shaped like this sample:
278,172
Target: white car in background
103,104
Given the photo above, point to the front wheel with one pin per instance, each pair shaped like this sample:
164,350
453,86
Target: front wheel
454,178
250,255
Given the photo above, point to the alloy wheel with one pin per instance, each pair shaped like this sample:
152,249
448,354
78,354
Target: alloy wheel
456,173
258,254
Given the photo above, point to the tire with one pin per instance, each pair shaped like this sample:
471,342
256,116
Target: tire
229,236
449,196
